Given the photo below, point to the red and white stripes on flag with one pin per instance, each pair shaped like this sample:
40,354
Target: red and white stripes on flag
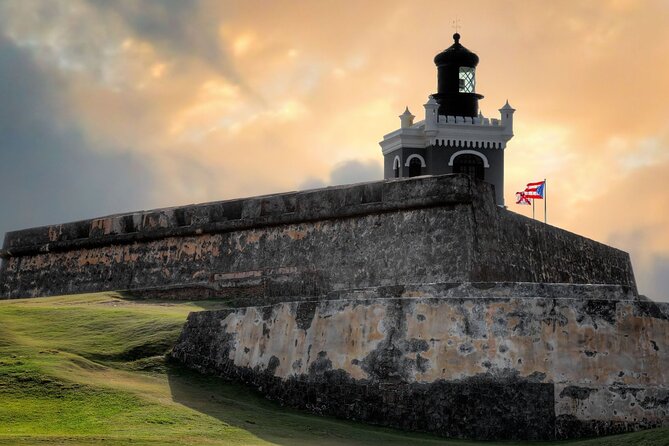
522,199
535,191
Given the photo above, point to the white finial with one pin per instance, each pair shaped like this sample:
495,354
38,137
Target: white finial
507,107
406,118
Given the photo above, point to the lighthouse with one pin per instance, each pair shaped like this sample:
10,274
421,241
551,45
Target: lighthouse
454,137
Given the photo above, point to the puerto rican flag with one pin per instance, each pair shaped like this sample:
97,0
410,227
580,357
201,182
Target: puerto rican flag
522,199
535,190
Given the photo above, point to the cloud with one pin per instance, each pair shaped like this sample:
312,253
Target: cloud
186,29
347,172
311,183
48,173
355,171
659,283
631,215
94,35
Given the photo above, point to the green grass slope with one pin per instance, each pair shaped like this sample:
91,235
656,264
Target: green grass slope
90,370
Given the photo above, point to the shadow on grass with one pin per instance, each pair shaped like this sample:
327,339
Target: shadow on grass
238,405
134,353
195,299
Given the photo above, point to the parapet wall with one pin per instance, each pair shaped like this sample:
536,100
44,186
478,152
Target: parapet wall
442,229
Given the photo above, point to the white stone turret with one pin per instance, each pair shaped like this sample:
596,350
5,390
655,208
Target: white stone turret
431,114
406,119
507,118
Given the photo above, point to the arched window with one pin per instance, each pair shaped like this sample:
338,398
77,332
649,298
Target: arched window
414,167
415,163
396,166
469,164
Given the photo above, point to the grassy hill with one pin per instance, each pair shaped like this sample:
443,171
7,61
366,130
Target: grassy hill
90,370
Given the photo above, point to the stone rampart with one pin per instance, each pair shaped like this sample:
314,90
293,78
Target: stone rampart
443,229
477,367
414,303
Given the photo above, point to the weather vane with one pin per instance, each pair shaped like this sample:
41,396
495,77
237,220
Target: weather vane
456,25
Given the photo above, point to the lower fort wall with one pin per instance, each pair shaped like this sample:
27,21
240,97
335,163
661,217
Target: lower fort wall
443,229
485,368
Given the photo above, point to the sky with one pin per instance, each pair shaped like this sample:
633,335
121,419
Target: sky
111,106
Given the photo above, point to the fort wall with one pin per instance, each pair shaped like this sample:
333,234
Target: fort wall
443,229
414,303
477,367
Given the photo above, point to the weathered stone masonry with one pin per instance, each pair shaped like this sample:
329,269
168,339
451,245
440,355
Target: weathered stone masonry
443,229
487,368
413,303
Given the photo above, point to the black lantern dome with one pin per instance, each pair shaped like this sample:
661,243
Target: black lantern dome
456,72
456,54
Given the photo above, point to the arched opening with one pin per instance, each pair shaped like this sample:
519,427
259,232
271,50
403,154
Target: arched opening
397,171
471,165
414,167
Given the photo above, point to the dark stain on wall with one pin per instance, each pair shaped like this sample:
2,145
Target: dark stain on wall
568,426
651,309
601,311
321,365
481,407
305,314
576,392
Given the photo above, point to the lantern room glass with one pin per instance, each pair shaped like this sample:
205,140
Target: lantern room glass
467,80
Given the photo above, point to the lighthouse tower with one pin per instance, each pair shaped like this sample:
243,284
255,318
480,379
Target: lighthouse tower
454,137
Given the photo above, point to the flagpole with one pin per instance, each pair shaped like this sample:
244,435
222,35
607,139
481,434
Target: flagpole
533,209
545,201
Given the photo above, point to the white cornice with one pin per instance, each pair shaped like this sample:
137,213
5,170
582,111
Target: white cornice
452,131
413,138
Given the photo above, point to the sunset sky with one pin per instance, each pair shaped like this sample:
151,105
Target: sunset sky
111,106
